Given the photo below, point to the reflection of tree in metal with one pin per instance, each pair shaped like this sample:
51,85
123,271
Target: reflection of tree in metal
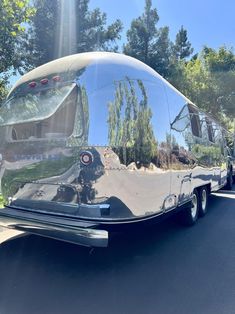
85,107
130,130
207,155
81,124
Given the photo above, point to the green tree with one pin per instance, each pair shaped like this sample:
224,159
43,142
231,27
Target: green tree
221,66
177,74
162,53
182,47
148,43
13,15
209,80
200,86
219,61
63,27
40,39
142,35
180,51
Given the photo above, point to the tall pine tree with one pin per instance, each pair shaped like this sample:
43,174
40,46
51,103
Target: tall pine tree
180,50
182,47
142,34
148,43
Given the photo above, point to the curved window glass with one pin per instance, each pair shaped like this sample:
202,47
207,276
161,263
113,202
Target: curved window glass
34,106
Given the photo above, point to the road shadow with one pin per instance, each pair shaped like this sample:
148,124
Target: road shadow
139,272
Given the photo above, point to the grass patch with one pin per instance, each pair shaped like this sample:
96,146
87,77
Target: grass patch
14,179
1,201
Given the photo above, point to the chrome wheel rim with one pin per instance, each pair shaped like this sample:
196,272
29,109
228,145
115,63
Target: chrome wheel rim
204,199
194,206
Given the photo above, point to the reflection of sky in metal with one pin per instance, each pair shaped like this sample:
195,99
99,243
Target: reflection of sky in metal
99,81
100,73
104,71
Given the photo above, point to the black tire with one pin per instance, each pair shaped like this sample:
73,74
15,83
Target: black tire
203,201
229,184
189,215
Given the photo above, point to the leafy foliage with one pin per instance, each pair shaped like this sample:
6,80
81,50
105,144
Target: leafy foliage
147,43
209,79
14,178
130,129
3,88
61,28
182,47
142,35
13,15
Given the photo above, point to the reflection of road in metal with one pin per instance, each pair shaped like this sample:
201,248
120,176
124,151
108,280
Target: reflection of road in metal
139,191
129,191
47,188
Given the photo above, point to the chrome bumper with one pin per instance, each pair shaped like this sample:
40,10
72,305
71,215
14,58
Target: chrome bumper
62,229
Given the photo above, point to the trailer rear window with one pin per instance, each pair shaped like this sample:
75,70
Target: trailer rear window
33,106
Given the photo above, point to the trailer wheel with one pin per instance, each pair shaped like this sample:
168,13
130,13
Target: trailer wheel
203,201
189,216
229,184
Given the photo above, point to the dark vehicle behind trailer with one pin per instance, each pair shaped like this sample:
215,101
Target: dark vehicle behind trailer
94,142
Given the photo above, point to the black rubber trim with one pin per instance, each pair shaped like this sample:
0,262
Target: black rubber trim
87,223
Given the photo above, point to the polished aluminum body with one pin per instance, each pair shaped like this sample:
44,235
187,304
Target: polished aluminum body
102,137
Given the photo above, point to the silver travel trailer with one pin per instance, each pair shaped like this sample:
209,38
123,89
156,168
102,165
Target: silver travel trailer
96,141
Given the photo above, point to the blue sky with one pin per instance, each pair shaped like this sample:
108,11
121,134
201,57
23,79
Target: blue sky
208,22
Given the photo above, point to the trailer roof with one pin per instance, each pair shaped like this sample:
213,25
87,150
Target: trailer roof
79,61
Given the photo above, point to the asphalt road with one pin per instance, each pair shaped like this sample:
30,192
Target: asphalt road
169,269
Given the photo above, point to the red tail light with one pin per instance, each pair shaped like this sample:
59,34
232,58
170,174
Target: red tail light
86,158
32,84
56,78
44,81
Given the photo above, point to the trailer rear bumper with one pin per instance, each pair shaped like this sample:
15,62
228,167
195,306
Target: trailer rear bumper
78,232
